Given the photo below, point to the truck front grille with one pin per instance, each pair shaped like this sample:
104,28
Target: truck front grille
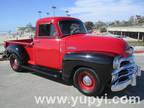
124,63
125,70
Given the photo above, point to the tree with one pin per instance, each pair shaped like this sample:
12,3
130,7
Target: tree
103,29
29,25
89,25
141,21
100,25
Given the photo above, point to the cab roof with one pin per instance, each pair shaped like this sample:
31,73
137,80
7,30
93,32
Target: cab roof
55,19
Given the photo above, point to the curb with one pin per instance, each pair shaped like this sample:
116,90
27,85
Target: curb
137,52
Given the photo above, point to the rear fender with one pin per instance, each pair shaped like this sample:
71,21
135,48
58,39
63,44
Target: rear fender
19,51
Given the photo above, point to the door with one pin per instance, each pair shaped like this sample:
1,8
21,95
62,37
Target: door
47,47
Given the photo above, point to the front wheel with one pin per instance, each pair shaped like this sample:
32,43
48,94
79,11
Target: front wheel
87,81
15,63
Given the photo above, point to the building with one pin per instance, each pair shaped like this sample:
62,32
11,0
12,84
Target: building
133,32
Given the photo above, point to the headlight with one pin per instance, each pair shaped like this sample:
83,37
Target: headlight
116,63
130,50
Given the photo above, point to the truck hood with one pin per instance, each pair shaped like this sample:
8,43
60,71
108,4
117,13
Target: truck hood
98,44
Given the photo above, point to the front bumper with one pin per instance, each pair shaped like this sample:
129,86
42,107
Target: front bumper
124,74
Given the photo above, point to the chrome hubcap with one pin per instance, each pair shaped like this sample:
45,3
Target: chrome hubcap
87,80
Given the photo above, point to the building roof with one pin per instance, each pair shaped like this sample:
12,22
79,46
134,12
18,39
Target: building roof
126,29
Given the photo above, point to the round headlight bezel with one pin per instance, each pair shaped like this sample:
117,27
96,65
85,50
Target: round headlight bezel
116,62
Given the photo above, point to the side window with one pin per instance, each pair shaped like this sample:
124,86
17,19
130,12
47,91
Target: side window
46,30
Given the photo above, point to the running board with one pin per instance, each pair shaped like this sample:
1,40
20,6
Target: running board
55,74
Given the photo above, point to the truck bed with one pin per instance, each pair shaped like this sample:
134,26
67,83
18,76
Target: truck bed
27,42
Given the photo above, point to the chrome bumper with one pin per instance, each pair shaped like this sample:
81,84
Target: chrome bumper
125,73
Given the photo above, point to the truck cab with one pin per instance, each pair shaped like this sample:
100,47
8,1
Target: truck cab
49,42
62,48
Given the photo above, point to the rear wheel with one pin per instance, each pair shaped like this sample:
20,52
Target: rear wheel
87,81
15,63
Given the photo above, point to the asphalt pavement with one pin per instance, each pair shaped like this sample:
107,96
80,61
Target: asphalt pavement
18,90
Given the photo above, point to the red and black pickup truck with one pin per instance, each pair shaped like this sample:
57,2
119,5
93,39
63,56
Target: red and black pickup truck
62,48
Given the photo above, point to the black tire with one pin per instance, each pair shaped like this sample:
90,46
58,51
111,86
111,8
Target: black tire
88,82
15,63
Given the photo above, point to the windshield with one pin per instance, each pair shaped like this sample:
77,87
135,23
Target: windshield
69,27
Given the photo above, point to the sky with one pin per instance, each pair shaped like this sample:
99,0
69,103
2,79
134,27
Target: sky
16,13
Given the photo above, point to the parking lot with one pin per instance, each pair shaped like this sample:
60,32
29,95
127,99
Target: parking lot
17,90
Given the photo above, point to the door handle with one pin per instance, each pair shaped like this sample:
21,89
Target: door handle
37,41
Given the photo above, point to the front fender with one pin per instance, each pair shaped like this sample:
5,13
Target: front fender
100,62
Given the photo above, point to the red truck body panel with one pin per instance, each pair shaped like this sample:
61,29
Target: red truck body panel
88,43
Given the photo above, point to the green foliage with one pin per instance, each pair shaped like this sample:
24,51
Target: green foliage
131,22
89,25
141,21
103,29
100,25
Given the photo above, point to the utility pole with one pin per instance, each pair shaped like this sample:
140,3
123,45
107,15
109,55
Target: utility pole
54,8
39,12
